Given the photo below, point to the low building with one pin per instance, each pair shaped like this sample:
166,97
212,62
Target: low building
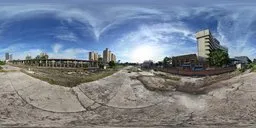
189,61
57,63
242,59
147,64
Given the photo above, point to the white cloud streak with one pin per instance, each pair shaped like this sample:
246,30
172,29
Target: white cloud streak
161,36
157,38
58,51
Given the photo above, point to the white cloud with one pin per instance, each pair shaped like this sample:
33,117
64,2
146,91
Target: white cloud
56,48
31,52
160,36
57,51
70,36
70,53
153,42
235,32
100,20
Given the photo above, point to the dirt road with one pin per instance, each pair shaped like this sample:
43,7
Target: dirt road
120,101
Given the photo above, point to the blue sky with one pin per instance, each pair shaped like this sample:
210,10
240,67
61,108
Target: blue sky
134,30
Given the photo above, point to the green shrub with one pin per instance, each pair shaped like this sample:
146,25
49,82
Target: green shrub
242,69
112,64
251,66
2,63
254,68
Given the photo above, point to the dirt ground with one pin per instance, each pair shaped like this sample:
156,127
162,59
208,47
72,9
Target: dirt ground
120,101
161,81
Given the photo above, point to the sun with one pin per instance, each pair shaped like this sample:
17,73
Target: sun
141,53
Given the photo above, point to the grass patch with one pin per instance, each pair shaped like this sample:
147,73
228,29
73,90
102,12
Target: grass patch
68,77
133,69
254,68
251,67
197,87
1,69
207,84
157,83
169,77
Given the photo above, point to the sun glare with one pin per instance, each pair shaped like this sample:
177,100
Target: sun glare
141,53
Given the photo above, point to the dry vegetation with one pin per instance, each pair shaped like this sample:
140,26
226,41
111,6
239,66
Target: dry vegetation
155,83
254,68
67,77
1,69
167,82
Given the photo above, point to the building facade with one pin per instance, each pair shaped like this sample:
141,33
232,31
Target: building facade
96,57
207,43
10,57
108,56
113,57
60,63
7,56
241,60
93,56
189,61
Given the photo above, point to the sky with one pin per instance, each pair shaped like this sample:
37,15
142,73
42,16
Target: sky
135,30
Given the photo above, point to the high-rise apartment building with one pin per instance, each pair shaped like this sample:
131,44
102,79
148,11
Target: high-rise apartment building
93,56
113,57
10,57
207,43
108,56
7,56
96,56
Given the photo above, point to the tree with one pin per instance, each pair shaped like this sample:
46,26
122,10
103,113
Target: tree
100,59
159,63
166,61
44,57
37,57
112,64
2,63
28,57
254,61
218,58
100,63
249,61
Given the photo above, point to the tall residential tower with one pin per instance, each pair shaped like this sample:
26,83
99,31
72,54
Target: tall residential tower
93,56
108,56
7,56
